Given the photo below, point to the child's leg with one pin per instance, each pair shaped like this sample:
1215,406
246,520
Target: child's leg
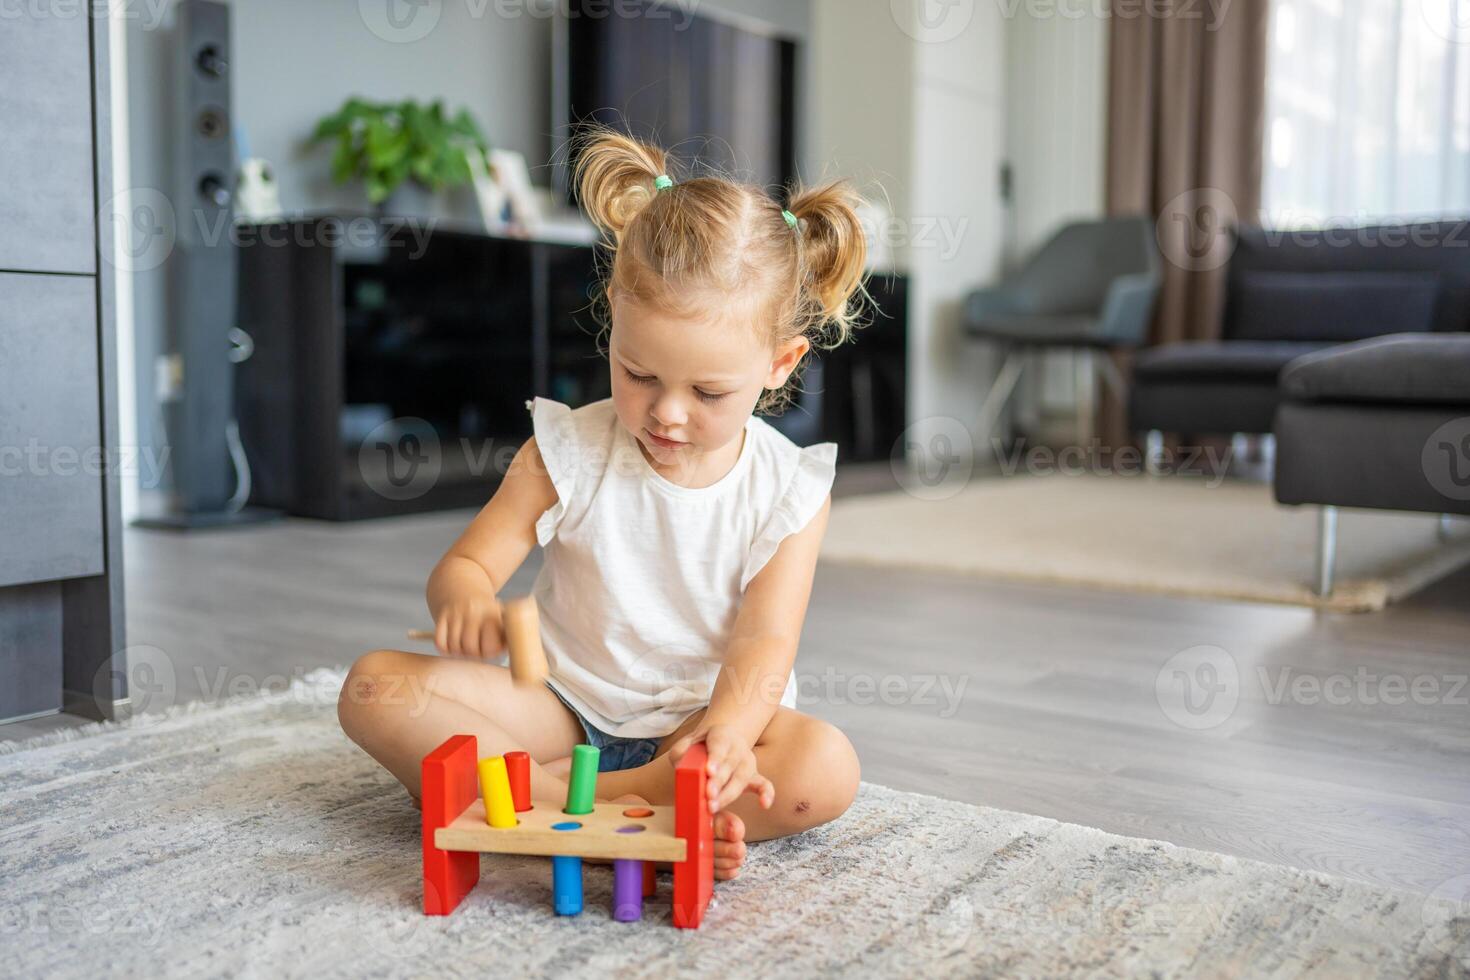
811,763
401,706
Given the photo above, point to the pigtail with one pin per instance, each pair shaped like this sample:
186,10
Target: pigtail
614,177
834,250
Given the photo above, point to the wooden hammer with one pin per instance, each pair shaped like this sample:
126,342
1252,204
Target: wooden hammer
522,622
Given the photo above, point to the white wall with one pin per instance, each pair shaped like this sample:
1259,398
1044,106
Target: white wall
1056,141
921,110
862,77
931,99
956,214
1056,114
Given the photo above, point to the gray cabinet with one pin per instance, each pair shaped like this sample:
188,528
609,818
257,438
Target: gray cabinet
61,616
47,212
30,650
51,461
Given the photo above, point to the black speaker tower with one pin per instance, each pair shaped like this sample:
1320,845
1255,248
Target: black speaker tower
198,375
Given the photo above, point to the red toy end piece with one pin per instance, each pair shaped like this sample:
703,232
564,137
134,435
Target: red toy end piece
650,879
694,877
448,787
518,768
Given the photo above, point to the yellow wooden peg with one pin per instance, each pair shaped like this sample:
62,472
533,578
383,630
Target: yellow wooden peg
500,808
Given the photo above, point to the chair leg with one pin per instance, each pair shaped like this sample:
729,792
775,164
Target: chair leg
1111,376
1083,394
998,395
1326,548
1153,453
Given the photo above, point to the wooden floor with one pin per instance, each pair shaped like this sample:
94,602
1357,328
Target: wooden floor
1040,699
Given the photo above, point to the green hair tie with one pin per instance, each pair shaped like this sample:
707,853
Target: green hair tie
790,218
662,182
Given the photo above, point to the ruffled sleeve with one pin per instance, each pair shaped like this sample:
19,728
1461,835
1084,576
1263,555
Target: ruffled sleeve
804,495
556,438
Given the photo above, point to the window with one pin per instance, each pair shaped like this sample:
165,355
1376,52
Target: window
1367,111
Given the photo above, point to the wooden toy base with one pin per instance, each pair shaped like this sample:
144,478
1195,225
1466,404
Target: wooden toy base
455,832
601,834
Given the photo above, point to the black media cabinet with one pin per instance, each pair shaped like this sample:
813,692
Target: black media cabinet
360,322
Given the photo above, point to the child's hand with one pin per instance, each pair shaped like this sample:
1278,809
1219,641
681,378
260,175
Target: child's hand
731,768
470,628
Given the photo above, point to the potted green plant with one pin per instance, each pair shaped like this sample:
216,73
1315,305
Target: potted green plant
386,144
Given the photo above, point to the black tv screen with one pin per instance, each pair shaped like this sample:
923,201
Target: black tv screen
718,94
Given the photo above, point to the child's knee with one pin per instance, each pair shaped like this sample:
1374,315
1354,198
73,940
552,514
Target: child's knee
371,684
826,777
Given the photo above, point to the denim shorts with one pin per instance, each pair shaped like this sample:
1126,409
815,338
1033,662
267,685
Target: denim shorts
613,753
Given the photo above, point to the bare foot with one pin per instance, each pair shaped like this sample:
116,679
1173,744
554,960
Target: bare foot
729,845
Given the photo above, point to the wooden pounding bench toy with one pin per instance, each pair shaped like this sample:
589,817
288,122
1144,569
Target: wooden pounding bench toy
473,806
463,820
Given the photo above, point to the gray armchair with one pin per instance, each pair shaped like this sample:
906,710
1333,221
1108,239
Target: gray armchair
1090,289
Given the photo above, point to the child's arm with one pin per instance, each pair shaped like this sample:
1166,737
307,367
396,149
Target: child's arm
462,587
759,659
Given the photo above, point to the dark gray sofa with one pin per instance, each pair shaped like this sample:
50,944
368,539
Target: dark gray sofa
1293,293
1383,423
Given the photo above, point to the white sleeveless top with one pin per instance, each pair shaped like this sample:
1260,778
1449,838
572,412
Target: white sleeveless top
642,577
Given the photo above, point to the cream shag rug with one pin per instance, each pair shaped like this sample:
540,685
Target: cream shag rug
1140,534
254,840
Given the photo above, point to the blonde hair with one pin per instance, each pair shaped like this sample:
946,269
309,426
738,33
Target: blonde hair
716,235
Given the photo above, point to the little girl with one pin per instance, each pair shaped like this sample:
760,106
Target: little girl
680,532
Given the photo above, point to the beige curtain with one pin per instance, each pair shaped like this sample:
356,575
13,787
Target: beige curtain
1186,97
